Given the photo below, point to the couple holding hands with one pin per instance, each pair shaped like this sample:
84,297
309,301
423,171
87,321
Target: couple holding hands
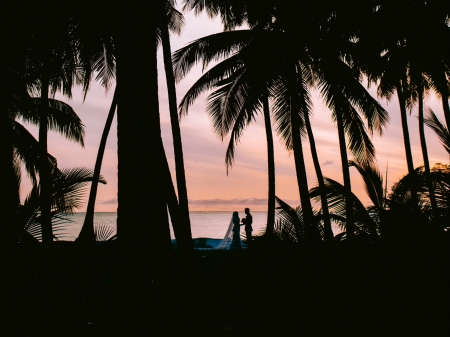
247,222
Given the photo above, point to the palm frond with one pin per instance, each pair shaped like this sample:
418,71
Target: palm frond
103,232
290,92
377,117
26,149
68,188
441,131
175,19
337,196
288,222
211,48
221,71
61,118
249,109
373,181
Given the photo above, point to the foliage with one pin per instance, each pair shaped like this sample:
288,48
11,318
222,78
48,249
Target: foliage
67,191
104,232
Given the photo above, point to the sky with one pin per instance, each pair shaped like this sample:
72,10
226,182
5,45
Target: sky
209,186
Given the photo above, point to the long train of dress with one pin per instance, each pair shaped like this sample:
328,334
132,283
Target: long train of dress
231,240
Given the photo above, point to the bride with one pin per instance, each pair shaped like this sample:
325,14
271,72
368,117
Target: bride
232,239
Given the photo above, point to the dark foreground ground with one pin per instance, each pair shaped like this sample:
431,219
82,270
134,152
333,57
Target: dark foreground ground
387,289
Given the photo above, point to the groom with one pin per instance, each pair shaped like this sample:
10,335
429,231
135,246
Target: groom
247,221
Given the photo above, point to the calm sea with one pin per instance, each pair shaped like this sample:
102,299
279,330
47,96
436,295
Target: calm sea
203,224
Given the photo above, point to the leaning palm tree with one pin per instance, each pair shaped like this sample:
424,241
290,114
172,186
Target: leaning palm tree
87,232
172,20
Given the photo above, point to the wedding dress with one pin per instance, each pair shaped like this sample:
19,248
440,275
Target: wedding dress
232,239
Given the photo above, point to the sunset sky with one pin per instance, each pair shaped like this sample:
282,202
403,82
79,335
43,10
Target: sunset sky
209,187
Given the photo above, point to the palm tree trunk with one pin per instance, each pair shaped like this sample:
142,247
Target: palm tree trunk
184,237
408,151
328,232
350,227
87,231
44,168
145,248
300,171
426,162
270,169
406,141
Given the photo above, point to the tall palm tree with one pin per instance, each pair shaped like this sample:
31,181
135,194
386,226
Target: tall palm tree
172,20
138,127
97,54
423,143
87,231
241,91
53,64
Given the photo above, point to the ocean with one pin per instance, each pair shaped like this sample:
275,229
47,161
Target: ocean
203,224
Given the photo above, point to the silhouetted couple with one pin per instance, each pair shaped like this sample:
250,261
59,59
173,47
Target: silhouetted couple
236,238
247,221
232,239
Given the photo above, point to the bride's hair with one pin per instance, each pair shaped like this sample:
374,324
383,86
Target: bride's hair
235,214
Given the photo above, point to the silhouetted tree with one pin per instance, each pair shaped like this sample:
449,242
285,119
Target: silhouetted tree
172,20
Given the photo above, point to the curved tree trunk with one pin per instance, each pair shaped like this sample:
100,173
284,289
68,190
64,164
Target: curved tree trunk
426,162
87,231
328,232
184,237
300,170
408,151
350,226
270,168
44,168
406,139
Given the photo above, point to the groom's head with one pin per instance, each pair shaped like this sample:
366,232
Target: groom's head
247,210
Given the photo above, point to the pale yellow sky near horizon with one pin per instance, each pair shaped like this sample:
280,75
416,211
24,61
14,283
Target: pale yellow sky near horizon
209,187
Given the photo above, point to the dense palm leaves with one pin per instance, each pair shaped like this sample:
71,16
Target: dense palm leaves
287,76
66,195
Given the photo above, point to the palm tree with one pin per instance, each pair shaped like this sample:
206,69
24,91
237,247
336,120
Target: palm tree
241,90
98,53
138,127
52,62
173,20
87,231
425,150
344,95
360,143
25,148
